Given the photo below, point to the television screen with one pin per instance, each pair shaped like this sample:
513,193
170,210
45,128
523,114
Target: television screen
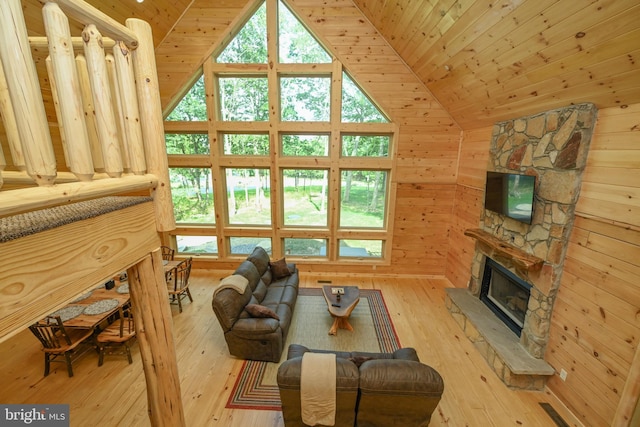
511,195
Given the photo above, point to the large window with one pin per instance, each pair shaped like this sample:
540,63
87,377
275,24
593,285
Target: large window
292,156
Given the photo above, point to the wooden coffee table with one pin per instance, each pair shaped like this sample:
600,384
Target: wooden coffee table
340,309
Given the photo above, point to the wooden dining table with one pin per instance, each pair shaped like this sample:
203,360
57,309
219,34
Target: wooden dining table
94,307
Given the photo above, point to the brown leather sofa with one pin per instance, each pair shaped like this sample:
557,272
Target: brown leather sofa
385,390
258,338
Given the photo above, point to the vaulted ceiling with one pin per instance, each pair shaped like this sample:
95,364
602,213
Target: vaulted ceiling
483,60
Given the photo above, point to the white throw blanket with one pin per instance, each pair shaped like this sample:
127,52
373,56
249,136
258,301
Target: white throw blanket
235,281
318,389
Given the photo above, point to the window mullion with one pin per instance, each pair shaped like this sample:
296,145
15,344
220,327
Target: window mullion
334,156
277,204
219,201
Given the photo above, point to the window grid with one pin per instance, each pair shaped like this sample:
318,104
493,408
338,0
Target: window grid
280,230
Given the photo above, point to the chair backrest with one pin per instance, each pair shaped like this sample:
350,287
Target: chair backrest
51,333
127,323
182,273
167,253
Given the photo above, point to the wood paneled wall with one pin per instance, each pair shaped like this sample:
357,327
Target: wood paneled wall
595,327
469,202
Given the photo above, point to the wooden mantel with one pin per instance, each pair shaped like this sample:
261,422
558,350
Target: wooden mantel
503,251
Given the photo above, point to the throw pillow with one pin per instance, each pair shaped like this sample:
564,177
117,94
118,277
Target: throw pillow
280,269
359,360
256,310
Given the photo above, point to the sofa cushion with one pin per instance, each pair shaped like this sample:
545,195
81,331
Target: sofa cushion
400,377
359,360
280,269
260,291
260,258
256,310
280,295
267,277
289,372
248,270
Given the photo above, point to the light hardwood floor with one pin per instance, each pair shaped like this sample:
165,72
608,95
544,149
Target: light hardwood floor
115,393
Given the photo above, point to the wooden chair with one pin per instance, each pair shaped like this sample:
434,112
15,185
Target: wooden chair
117,335
167,253
178,287
57,341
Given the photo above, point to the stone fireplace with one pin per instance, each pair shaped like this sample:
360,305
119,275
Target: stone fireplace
553,147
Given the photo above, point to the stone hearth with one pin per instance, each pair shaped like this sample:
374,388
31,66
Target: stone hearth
553,147
497,343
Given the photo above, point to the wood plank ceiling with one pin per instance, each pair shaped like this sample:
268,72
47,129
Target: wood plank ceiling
487,61
483,60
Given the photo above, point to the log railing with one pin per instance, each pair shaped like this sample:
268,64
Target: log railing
105,91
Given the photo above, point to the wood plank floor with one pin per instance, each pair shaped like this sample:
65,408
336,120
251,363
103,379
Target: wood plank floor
115,393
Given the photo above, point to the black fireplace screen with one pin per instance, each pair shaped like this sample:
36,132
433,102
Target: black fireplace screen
505,294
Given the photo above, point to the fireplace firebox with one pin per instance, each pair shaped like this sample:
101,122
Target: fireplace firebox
505,294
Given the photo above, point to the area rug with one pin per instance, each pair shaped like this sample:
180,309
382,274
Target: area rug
256,386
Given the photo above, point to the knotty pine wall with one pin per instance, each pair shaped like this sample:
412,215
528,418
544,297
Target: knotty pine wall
595,326
469,202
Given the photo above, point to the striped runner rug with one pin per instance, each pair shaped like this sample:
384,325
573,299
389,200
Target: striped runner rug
256,387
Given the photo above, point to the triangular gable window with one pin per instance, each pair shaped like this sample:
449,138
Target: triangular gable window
295,43
356,106
249,46
192,107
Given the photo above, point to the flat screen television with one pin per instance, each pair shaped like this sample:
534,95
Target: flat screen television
511,195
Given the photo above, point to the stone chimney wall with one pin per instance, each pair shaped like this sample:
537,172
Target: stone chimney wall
553,147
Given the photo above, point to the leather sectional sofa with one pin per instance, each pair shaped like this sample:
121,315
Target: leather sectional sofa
372,389
256,322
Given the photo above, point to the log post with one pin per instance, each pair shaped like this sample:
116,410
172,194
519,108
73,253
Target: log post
101,91
152,122
66,77
3,164
117,107
26,95
154,330
130,110
10,125
56,103
89,113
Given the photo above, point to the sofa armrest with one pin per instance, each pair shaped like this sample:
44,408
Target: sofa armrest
406,353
